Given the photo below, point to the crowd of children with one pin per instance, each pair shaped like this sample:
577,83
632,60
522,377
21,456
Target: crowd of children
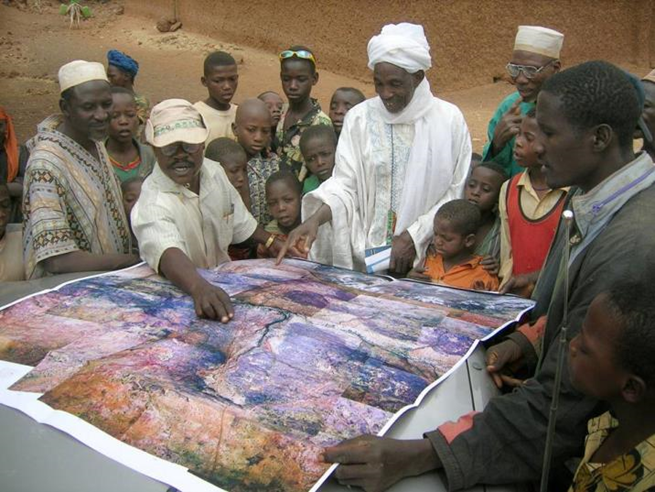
262,143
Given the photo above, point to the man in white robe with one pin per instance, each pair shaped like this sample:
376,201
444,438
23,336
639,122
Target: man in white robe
400,156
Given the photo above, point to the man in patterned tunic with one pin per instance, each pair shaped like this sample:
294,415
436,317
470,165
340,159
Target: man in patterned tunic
400,156
73,214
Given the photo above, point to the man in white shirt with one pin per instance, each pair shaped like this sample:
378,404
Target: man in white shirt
188,212
401,155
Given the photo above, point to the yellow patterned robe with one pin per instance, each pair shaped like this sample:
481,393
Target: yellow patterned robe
634,471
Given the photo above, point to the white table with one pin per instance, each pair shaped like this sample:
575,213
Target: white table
36,457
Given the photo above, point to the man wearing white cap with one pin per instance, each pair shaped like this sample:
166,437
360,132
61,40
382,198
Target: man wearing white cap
400,156
73,212
534,59
188,213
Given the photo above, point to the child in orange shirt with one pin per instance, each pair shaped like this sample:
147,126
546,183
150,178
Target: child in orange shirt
451,260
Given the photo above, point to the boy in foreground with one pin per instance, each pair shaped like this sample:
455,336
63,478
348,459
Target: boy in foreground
612,359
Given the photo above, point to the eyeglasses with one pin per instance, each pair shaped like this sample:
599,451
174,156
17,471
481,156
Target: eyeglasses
302,54
528,71
171,150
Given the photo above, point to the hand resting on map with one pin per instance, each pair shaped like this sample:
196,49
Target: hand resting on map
376,463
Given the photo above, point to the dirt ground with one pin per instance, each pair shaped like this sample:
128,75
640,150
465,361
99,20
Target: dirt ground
33,45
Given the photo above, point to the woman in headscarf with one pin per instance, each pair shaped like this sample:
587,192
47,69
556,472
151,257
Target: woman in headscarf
121,72
13,159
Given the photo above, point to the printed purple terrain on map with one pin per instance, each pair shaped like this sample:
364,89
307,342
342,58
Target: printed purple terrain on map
313,356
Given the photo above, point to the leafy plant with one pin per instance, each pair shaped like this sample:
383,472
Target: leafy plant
75,12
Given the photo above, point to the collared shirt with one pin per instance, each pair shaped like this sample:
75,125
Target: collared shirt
219,123
168,215
11,254
593,210
259,170
634,470
288,141
532,207
468,275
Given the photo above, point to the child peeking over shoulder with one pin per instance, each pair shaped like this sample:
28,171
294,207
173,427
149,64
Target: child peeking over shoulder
318,145
482,189
283,197
129,157
233,159
451,260
131,189
274,103
611,359
343,100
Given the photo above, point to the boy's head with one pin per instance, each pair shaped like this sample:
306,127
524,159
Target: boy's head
483,186
318,145
283,198
587,115
5,208
131,189
252,126
124,122
220,77
233,158
611,358
343,100
525,148
298,73
455,225
274,103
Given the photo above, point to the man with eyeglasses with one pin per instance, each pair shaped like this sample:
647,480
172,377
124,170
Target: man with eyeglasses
534,59
188,213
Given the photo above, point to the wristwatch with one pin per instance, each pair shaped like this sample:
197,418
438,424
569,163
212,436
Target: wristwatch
269,241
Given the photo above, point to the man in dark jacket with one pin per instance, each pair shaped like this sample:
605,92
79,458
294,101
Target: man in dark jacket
587,116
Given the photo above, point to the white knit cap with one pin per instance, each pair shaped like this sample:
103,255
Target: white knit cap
403,45
175,120
650,77
78,72
539,40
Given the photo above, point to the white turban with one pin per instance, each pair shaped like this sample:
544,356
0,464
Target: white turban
403,45
540,40
78,72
